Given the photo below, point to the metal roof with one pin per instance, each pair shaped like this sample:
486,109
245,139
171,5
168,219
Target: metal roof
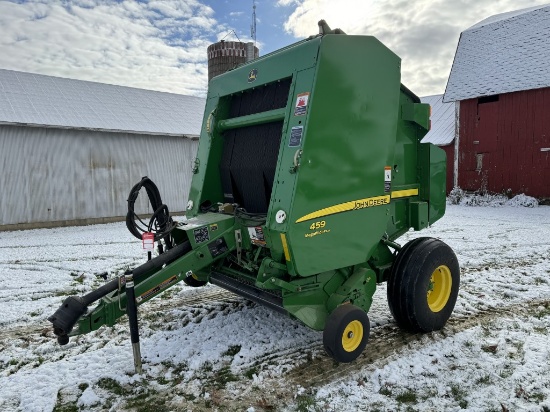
504,53
443,120
35,99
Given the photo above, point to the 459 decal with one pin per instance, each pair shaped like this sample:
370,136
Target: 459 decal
318,228
318,225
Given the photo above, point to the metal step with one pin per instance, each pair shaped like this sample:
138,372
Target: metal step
248,291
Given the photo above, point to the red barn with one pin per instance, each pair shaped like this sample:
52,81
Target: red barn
501,79
443,132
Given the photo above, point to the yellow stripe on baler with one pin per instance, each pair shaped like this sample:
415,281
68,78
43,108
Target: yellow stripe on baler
404,193
285,247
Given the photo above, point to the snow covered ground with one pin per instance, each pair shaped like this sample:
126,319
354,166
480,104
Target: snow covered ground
206,349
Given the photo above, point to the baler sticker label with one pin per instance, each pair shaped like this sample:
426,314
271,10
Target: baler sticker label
157,289
252,75
301,104
256,235
296,134
347,206
387,179
201,234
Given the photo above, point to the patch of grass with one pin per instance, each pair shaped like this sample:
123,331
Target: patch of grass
543,311
169,294
167,364
538,397
406,397
162,380
83,386
113,386
304,402
251,372
490,348
189,396
148,402
207,366
34,314
484,380
430,394
70,292
152,316
13,362
385,391
232,350
61,406
540,281
177,368
458,395
223,377
66,407
265,405
181,367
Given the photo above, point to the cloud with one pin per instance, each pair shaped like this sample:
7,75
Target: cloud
159,45
287,2
424,33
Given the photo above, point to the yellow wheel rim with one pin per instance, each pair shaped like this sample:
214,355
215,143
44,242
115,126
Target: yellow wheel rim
439,289
352,336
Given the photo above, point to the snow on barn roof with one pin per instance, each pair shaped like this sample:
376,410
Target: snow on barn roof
504,53
38,100
442,132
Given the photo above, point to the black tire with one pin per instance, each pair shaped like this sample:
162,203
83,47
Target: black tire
346,333
193,281
423,285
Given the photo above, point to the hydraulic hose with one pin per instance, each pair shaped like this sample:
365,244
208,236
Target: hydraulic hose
160,223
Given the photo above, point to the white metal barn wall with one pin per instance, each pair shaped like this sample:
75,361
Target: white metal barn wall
50,175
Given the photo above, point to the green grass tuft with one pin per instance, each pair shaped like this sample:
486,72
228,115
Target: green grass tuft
113,386
232,350
406,397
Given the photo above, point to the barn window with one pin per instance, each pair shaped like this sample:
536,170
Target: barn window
479,162
488,99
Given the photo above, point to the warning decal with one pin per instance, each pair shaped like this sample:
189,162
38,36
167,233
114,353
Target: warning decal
387,178
301,104
296,136
256,235
157,289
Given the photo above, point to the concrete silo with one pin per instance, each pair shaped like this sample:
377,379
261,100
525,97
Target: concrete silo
225,55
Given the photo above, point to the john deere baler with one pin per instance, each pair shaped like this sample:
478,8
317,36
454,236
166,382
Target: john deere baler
309,168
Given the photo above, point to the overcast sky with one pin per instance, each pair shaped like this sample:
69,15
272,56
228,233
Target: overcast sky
161,45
